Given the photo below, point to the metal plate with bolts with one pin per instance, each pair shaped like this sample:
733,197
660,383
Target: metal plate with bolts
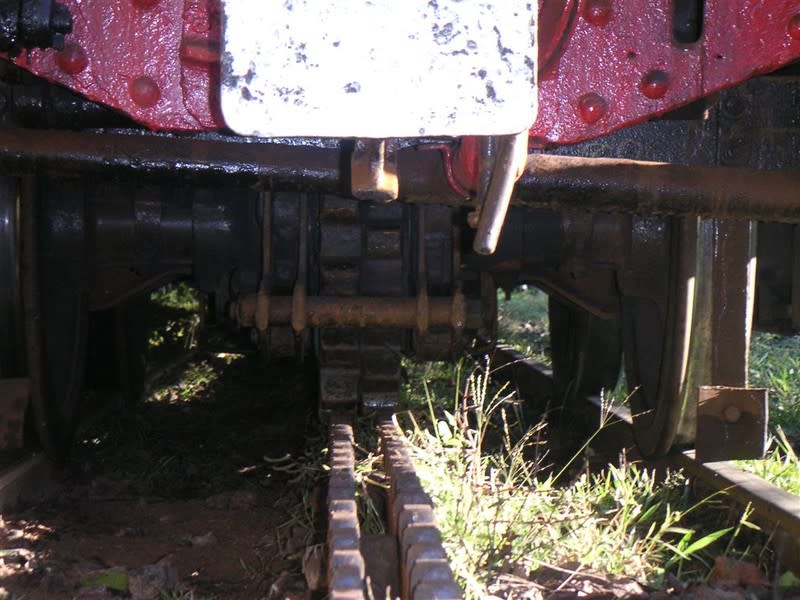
731,423
378,69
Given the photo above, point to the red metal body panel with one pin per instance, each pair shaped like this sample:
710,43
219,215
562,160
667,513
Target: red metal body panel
157,61
620,64
604,64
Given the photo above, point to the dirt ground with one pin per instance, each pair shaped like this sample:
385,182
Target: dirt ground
200,492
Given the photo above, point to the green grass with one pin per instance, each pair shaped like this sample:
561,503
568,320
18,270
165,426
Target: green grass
503,511
781,466
775,365
176,309
522,322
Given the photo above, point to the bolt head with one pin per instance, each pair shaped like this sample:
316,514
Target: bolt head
144,91
654,84
597,12
732,414
72,59
592,107
794,27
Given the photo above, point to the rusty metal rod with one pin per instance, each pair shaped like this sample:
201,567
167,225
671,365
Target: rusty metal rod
617,185
212,159
549,181
494,205
331,311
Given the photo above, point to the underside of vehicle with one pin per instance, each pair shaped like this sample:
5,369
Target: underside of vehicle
353,184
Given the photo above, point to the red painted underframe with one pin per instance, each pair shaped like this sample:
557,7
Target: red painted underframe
605,63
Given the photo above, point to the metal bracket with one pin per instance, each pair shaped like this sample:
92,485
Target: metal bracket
373,166
731,423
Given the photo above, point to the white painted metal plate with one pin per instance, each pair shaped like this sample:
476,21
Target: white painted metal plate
378,68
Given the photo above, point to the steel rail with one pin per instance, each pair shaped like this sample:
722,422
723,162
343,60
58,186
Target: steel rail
424,571
777,507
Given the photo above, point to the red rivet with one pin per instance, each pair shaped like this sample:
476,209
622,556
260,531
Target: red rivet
592,107
654,84
144,91
144,3
72,59
794,27
597,12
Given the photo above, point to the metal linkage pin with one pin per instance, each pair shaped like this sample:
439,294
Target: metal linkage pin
510,154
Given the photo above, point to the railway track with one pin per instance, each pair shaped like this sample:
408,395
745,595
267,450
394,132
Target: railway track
409,560
421,571
772,506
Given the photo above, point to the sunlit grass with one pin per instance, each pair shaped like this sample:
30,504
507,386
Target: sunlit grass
523,323
774,364
501,511
179,307
781,466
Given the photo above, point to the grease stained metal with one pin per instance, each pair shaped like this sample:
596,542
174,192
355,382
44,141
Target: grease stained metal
390,69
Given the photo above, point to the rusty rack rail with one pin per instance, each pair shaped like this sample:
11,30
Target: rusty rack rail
772,506
423,570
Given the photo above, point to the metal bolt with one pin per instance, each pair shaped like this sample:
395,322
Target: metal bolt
592,107
732,414
72,59
144,91
597,12
654,84
794,27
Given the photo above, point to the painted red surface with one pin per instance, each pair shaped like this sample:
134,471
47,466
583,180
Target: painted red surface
621,53
604,64
147,58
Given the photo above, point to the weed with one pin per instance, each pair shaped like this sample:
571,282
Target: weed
775,364
502,514
781,466
176,309
522,319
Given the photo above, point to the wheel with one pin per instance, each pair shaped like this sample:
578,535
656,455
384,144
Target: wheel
687,302
117,349
12,363
53,268
586,352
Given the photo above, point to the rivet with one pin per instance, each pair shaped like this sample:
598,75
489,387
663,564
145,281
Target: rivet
794,27
732,414
144,3
654,84
592,107
144,91
597,12
72,59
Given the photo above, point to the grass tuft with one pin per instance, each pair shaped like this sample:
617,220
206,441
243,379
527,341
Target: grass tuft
503,514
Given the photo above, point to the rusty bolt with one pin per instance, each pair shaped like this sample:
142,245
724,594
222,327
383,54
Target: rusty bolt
732,413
